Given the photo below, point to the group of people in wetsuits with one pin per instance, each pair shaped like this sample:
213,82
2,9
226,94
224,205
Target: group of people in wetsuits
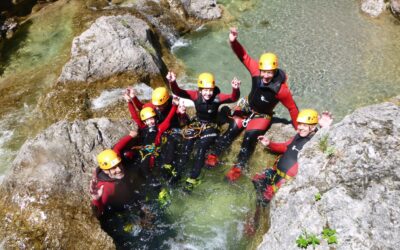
166,135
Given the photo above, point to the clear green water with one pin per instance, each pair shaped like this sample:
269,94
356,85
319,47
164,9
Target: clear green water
31,63
335,58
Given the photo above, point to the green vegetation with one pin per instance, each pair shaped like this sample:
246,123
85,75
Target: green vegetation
329,235
305,239
317,196
325,147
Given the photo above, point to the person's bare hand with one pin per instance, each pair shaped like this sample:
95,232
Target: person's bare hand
181,108
235,83
95,192
233,34
175,100
264,140
133,133
171,77
325,119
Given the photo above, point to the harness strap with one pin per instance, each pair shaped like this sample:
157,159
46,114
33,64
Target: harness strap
283,175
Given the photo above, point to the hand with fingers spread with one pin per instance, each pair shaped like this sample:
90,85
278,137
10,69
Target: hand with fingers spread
233,34
325,119
235,83
264,140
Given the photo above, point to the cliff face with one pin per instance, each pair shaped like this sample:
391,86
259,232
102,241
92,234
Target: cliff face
45,201
358,178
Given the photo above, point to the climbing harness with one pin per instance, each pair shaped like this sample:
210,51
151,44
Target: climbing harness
195,129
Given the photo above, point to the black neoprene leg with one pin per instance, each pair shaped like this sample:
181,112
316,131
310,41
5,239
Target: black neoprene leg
206,140
248,145
224,141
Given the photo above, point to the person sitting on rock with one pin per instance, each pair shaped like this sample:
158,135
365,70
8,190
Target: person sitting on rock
111,187
204,128
268,88
150,132
161,102
286,166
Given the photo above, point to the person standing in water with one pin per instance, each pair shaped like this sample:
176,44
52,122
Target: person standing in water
268,88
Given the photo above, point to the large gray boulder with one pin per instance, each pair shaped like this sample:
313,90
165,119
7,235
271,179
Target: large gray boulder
359,184
112,45
45,202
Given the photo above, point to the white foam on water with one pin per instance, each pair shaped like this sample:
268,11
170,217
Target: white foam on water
181,42
112,96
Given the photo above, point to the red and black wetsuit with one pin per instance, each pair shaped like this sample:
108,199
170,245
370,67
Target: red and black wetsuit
262,101
116,192
285,168
206,119
150,138
173,135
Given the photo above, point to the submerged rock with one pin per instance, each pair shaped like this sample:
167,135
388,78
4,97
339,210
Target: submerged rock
359,185
112,45
373,7
45,202
395,8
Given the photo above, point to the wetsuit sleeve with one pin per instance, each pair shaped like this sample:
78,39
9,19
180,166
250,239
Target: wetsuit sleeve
135,115
188,94
137,103
279,147
286,98
167,122
228,98
249,63
121,144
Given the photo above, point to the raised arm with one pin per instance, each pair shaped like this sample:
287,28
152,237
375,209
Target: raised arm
121,144
188,94
241,53
167,121
234,96
286,98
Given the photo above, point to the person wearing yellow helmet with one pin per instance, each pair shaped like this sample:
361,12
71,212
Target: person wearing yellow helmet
150,133
285,168
268,88
207,99
161,102
110,187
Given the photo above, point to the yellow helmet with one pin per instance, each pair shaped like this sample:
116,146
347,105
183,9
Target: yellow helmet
268,61
206,81
308,116
147,113
160,96
108,159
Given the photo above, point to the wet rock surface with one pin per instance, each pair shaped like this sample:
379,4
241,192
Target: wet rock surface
45,201
359,185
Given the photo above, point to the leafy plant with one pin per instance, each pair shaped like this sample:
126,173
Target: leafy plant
329,235
306,239
325,147
317,196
